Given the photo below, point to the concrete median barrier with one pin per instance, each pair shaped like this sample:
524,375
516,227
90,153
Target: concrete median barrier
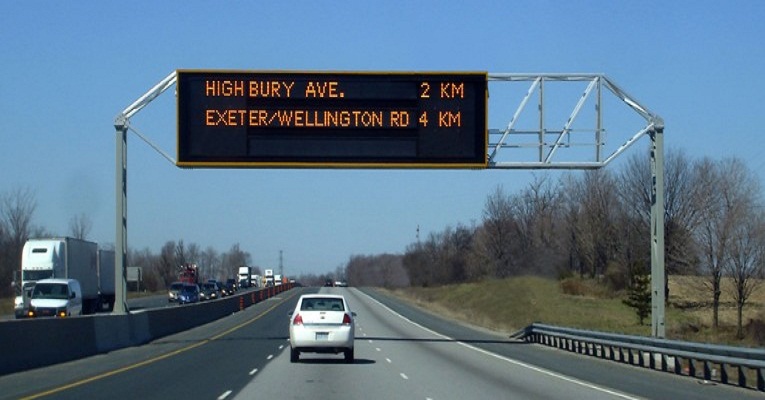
35,343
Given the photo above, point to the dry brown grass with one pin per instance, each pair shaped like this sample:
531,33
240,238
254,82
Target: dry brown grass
511,304
691,297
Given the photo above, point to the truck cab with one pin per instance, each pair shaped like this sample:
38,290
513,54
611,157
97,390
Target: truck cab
56,298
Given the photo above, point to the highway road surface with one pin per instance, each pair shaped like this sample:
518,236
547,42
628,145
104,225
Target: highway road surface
401,353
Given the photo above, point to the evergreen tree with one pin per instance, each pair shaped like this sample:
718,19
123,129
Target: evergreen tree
639,296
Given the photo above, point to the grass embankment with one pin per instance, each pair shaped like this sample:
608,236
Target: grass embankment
508,305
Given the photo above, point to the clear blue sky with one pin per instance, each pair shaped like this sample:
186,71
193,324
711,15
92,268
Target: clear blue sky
68,68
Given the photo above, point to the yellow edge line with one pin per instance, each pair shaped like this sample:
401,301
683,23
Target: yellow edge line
152,360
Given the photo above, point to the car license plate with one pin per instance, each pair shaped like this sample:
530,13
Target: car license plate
322,336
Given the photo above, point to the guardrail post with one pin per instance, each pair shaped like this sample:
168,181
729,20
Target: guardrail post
707,370
760,380
741,376
723,374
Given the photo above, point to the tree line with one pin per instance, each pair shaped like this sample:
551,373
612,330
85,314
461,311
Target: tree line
17,209
596,224
592,224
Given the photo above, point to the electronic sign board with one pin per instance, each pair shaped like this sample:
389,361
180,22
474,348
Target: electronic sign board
262,119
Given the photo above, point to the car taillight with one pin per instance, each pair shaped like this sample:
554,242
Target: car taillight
346,319
298,320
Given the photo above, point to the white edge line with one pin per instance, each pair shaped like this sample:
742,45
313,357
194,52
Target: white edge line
224,395
509,360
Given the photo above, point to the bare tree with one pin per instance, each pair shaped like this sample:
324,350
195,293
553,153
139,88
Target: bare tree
80,226
16,211
746,248
180,255
193,256
724,205
539,231
18,208
747,259
235,257
497,233
210,260
593,209
168,265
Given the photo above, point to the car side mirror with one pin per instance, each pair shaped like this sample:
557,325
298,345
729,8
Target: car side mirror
73,295
290,313
353,314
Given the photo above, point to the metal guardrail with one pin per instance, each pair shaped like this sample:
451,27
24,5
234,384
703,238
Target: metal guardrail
736,365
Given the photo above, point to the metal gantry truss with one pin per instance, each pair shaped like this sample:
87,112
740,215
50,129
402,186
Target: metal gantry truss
547,146
549,140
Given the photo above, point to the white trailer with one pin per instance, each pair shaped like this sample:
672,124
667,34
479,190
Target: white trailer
65,258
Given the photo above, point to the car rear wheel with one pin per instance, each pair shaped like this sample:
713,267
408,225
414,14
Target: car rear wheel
294,355
349,356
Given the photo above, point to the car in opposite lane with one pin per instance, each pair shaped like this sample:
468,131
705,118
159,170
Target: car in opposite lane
209,291
189,294
173,291
322,323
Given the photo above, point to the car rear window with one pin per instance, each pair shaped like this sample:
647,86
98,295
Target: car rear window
322,304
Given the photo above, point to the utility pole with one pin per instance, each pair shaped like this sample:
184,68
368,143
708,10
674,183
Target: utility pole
281,264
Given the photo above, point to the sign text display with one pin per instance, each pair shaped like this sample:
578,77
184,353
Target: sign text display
331,119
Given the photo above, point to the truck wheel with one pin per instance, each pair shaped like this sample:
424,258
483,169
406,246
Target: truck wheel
294,355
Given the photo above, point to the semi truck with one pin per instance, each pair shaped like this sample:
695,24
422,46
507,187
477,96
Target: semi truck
244,277
189,273
269,277
68,258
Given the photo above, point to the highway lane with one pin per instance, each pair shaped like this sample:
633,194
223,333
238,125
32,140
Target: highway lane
636,381
246,356
399,359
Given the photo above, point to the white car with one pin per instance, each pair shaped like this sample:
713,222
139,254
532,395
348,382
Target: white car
322,323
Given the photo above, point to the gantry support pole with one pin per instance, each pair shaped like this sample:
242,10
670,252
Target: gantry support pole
658,281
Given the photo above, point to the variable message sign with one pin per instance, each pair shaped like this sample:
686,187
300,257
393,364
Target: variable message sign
266,119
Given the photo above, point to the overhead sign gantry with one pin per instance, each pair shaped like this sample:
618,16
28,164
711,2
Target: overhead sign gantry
293,119
276,119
